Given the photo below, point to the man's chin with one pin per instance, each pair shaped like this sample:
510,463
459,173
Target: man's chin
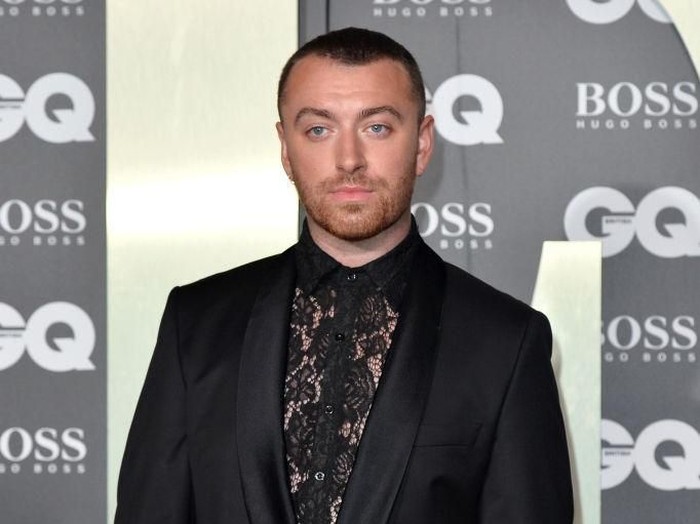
357,226
353,226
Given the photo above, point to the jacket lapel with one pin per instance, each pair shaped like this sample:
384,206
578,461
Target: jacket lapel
261,450
402,393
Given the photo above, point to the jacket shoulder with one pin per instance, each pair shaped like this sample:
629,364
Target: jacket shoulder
239,284
483,300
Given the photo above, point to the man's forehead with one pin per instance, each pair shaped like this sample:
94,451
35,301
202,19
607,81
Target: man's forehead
319,81
316,68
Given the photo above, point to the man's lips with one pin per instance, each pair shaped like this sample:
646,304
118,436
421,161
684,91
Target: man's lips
351,193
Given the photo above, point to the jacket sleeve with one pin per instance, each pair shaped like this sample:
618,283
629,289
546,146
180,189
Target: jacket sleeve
529,479
154,481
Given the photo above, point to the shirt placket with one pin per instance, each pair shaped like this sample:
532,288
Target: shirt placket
340,330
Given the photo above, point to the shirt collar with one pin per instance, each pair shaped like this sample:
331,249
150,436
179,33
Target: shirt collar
388,273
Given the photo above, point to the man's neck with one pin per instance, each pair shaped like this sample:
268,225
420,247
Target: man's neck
352,253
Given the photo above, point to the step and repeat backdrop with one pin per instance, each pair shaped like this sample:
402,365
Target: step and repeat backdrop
556,119
573,119
52,261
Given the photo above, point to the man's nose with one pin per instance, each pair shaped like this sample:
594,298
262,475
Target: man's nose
350,157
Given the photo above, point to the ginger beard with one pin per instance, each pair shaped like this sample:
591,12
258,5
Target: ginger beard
354,221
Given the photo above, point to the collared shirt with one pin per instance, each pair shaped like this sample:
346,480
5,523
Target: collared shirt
342,324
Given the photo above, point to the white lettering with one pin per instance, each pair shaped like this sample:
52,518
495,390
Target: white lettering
61,125
47,446
621,455
677,472
26,444
625,99
609,11
619,225
656,332
453,213
63,354
73,439
475,126
453,221
46,439
44,217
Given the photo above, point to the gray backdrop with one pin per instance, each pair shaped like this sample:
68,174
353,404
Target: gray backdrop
52,261
573,119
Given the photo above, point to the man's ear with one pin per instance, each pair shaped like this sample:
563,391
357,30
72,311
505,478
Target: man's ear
426,139
284,155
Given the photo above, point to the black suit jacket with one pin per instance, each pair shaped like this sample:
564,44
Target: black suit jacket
465,426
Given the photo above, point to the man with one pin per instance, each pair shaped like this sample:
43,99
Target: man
356,377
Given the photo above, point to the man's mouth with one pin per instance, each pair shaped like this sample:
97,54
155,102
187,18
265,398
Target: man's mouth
349,193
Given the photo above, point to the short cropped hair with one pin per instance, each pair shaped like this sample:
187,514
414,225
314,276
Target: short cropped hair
355,46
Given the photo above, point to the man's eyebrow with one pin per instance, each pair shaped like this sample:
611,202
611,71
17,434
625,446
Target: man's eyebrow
371,111
364,113
312,111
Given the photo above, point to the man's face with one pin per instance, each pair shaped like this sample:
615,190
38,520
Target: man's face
352,144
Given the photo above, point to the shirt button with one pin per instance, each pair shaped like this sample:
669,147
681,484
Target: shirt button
329,409
319,475
339,337
352,277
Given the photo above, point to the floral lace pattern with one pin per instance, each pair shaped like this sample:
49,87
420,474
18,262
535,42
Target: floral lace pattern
341,327
329,390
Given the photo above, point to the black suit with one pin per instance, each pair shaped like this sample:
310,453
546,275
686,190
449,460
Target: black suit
465,426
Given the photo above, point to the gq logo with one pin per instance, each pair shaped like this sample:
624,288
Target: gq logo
609,11
64,354
620,221
658,468
467,128
57,126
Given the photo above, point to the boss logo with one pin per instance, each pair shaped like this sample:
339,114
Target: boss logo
71,123
41,2
47,447
606,214
661,104
42,7
467,127
426,2
625,99
49,222
457,225
37,336
654,339
656,464
419,8
609,11
44,217
655,332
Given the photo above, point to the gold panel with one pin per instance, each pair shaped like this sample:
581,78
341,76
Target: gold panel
568,291
194,180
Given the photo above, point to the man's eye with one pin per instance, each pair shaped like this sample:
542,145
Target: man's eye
378,128
317,131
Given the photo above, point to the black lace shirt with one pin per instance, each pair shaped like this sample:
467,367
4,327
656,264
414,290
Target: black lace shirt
342,323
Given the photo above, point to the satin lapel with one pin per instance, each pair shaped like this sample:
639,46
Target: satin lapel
398,405
261,451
